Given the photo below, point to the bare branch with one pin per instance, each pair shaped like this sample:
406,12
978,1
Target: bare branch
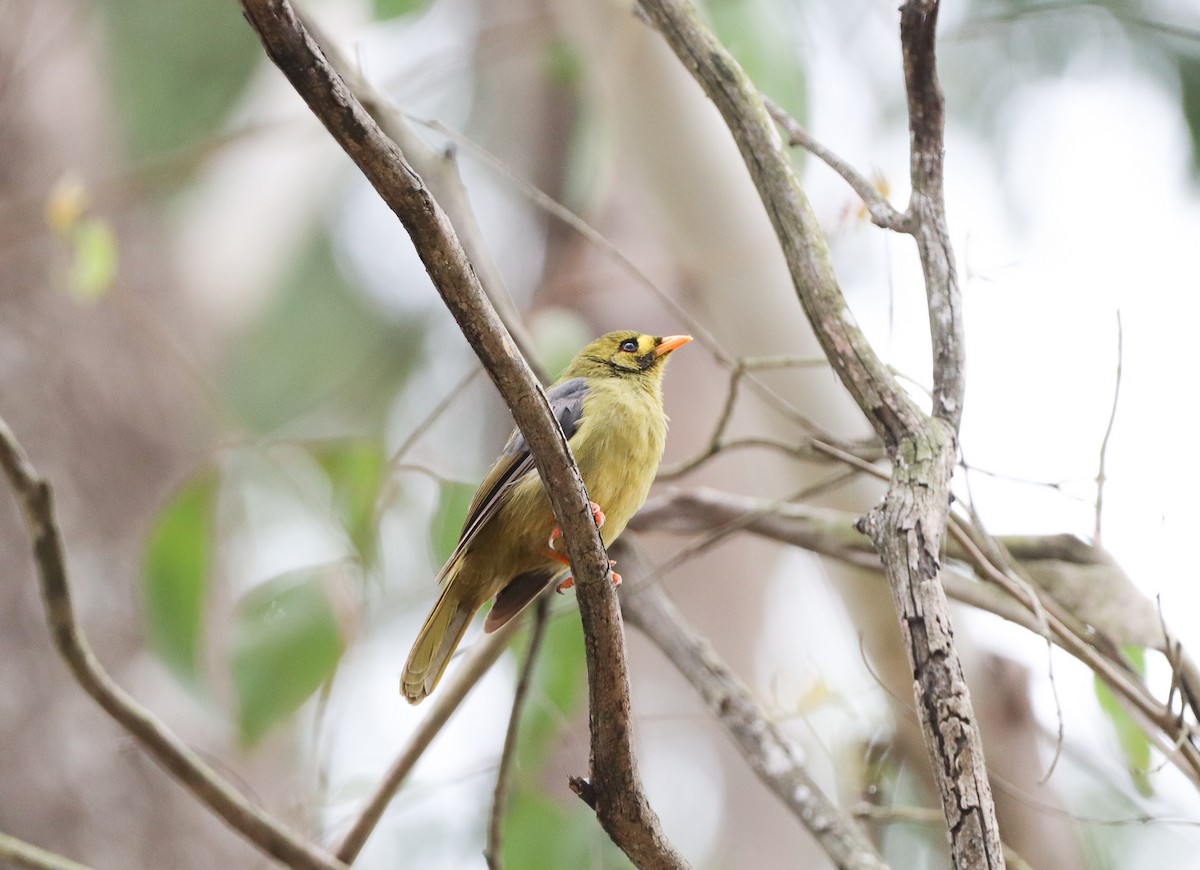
775,759
883,213
1031,602
477,662
621,805
37,504
927,206
909,526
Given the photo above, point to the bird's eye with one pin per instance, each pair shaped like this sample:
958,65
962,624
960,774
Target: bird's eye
629,345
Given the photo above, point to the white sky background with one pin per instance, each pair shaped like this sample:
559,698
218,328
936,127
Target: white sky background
1084,206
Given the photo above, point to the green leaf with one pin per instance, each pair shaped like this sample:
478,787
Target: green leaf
94,259
385,9
448,520
177,71
321,353
286,644
1132,739
175,577
356,469
561,675
540,832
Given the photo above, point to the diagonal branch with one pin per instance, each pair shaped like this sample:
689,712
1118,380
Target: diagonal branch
37,504
908,528
478,661
777,761
620,804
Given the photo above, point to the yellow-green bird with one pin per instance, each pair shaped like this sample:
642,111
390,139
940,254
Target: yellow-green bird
609,403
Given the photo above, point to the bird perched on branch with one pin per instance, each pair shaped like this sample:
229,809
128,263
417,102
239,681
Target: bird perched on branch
609,403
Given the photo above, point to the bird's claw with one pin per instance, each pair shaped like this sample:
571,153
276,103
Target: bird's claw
569,582
556,535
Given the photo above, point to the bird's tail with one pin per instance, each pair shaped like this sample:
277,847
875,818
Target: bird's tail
436,642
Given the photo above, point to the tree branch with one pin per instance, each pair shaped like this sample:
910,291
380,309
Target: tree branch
1065,590
908,527
621,805
776,760
927,206
478,661
883,213
37,505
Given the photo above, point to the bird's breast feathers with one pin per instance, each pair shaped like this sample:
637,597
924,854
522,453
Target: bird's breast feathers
618,445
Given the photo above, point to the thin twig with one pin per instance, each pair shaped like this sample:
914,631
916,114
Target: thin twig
477,661
508,755
37,504
883,213
17,853
554,208
922,816
1101,476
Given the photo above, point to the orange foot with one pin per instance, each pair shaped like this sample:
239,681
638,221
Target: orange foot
569,583
556,535
558,556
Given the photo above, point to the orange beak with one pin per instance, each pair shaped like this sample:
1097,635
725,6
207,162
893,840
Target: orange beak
670,343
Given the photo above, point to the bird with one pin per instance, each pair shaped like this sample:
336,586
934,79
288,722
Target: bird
609,404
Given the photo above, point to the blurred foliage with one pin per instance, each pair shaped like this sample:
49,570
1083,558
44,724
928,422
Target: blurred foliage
540,831
321,348
90,242
1132,739
94,264
449,517
175,577
357,470
1189,84
286,644
386,9
762,36
559,676
1004,45
557,334
177,73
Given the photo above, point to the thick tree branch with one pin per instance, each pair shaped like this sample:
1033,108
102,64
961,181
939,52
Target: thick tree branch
775,759
37,504
621,805
908,527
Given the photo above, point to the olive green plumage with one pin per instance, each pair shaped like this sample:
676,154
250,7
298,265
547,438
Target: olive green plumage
609,402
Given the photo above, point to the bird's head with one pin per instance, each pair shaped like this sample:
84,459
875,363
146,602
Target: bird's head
625,354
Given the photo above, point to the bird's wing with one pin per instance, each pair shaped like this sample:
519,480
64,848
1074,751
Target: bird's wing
566,402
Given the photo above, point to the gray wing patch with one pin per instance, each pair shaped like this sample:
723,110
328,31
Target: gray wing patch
566,403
